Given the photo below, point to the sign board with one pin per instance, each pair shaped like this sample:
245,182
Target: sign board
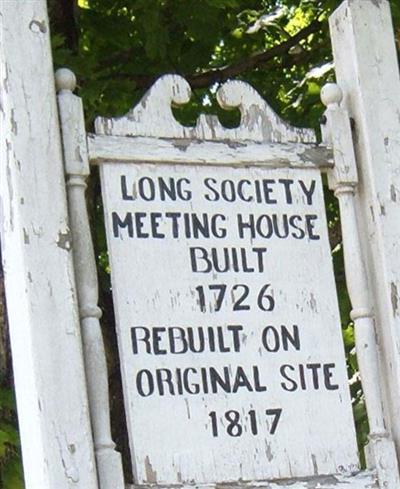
229,331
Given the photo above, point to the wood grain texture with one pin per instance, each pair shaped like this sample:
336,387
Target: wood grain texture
343,180
153,116
363,480
157,176
109,466
200,152
35,237
155,285
367,70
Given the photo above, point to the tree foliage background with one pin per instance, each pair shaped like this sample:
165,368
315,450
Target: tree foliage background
117,48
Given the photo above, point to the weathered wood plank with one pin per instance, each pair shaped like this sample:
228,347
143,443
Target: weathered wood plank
109,465
166,273
195,152
153,116
44,325
343,179
363,480
367,70
182,251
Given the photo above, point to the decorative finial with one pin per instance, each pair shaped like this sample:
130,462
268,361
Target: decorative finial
65,80
331,93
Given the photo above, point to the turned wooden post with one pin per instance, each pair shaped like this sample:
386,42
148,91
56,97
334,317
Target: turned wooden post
366,67
109,464
344,181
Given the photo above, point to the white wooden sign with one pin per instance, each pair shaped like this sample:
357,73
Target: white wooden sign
229,333
228,324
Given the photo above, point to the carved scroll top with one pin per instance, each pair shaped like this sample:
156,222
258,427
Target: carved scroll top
153,116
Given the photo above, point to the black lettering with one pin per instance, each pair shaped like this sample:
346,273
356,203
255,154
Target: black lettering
139,224
183,194
260,262
267,230
222,347
240,191
124,189
257,384
199,348
241,380
164,376
187,226
204,380
235,336
228,190
292,386
287,183
310,225
179,381
257,188
174,217
268,190
176,336
246,225
118,223
270,339
216,380
328,374
141,377
217,265
246,268
148,193
200,227
308,192
215,196
155,218
167,189
211,339
314,367
302,377
191,388
145,339
218,231
292,338
196,254
284,233
157,337
292,221
235,261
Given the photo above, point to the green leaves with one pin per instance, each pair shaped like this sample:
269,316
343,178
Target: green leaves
11,476
8,438
223,3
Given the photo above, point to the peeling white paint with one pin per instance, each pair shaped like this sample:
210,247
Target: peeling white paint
47,361
154,285
367,69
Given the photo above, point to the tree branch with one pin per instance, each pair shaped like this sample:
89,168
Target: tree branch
207,78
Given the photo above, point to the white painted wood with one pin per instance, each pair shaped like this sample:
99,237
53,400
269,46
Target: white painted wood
367,70
343,180
155,285
44,325
109,465
363,480
195,151
153,116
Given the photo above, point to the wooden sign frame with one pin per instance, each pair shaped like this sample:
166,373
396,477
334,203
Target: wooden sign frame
150,133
